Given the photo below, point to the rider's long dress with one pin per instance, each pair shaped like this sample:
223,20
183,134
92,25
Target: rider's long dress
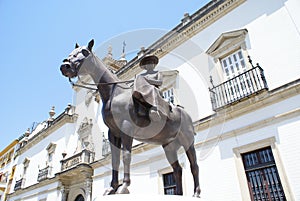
146,90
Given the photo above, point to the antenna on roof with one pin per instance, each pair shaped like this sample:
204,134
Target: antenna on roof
124,45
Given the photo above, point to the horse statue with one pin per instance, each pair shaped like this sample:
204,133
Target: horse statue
125,124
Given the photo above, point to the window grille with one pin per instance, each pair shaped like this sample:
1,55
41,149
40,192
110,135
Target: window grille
262,175
169,184
168,95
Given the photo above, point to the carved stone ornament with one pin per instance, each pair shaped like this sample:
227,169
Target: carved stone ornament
85,136
88,97
85,127
51,147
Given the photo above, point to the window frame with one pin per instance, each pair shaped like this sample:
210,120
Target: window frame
169,95
50,153
227,44
255,165
236,65
171,186
242,178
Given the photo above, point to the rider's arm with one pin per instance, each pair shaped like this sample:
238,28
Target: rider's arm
157,80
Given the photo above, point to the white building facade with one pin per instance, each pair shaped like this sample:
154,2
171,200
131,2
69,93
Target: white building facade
246,115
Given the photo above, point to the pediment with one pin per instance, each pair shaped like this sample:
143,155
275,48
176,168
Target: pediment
51,147
227,39
26,161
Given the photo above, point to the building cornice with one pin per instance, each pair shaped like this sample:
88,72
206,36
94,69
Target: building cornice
197,22
35,186
9,147
140,148
58,122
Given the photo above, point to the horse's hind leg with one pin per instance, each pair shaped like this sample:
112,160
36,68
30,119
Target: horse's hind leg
171,154
191,154
115,147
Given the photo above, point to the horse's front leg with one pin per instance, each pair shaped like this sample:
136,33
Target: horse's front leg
127,139
115,147
191,154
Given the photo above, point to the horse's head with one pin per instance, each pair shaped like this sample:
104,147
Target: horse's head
73,62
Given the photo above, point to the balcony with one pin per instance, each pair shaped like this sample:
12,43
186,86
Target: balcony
19,184
238,88
43,174
85,156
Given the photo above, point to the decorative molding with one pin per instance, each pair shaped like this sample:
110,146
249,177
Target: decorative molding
200,20
85,127
85,136
88,97
51,147
35,186
271,142
246,106
26,162
68,116
227,43
9,147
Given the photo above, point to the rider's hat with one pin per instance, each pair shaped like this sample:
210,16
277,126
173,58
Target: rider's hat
149,59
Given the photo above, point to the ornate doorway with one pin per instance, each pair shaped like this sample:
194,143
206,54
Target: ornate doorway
79,198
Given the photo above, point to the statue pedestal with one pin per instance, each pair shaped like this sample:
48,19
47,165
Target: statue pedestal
139,197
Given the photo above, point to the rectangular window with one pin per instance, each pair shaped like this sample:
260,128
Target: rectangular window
50,157
168,95
262,175
239,81
24,171
234,64
169,184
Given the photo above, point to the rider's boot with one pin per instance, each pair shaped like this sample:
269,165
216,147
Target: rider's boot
154,114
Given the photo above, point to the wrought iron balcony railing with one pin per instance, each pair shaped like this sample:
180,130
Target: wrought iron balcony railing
85,156
242,86
19,184
43,174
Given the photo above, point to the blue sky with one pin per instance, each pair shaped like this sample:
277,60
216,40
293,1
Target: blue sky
37,35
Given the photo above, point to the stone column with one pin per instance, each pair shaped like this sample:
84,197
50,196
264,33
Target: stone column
64,193
88,189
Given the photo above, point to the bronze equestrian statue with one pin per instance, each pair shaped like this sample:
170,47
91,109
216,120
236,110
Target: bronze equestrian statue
171,128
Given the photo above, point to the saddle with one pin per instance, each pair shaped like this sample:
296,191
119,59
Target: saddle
144,109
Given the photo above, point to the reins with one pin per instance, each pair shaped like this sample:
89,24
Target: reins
95,84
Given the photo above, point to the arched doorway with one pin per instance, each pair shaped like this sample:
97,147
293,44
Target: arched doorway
79,198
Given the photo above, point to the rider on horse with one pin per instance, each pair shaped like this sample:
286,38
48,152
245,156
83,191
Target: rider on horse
146,91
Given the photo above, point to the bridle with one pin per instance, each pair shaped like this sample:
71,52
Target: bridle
86,85
95,84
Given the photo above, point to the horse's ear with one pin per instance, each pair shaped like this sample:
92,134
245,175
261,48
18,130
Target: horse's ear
76,45
91,44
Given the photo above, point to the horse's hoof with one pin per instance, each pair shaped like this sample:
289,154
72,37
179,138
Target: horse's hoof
123,189
109,191
197,193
